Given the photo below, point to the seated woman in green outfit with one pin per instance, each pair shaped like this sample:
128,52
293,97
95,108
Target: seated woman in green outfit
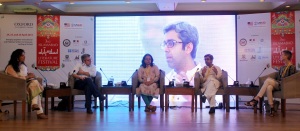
148,75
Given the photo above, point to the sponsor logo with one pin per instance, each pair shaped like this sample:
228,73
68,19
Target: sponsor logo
259,57
250,50
75,42
85,43
67,58
257,23
253,57
262,57
243,42
76,58
262,40
67,25
73,25
83,51
251,40
73,50
66,42
243,58
23,25
259,50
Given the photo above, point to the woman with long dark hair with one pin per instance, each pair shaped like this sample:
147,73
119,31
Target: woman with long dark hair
148,75
17,68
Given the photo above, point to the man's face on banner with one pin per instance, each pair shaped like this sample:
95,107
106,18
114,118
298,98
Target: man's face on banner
173,49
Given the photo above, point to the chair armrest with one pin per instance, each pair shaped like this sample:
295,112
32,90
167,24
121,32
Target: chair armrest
12,88
224,80
197,83
71,81
134,81
262,79
98,80
290,86
162,82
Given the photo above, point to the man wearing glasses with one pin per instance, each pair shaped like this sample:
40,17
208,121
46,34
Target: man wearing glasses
180,46
83,72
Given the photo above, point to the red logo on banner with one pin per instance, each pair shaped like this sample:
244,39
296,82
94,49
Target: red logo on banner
48,47
283,36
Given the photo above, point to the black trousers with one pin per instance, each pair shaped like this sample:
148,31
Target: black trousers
90,88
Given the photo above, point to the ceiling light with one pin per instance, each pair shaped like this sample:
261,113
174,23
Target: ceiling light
49,9
261,0
203,0
287,6
72,3
128,1
0,4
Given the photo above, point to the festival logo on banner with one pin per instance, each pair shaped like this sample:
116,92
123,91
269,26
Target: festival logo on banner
48,47
283,36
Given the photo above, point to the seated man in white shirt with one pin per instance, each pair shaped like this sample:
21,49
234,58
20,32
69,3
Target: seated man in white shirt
210,76
83,72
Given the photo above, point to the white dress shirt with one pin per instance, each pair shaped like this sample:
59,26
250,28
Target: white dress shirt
90,69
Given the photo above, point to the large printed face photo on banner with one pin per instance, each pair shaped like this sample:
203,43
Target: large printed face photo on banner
177,43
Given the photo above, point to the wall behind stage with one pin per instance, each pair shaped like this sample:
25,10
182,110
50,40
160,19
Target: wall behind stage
58,41
261,38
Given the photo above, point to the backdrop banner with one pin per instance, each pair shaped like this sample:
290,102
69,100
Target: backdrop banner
48,34
283,36
52,43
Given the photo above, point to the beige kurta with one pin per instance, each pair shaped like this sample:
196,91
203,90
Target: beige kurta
211,83
148,74
212,79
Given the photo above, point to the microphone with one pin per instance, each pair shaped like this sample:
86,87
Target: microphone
171,82
63,84
42,76
104,74
235,83
187,83
124,83
109,83
252,84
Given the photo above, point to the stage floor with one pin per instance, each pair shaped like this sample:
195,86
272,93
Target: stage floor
177,119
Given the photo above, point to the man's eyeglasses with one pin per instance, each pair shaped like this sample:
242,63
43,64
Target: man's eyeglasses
88,60
169,44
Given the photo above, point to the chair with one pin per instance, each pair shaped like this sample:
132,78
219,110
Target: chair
289,89
221,91
13,88
98,81
136,84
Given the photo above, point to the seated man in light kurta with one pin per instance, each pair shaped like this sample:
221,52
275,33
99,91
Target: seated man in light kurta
210,79
148,75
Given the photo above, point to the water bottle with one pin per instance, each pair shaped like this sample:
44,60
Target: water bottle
111,79
248,83
183,80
